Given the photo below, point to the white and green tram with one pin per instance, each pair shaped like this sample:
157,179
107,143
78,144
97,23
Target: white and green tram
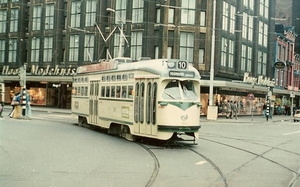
157,99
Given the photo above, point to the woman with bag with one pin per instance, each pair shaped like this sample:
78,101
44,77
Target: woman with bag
17,108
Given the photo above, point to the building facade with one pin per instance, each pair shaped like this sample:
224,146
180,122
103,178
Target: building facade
53,38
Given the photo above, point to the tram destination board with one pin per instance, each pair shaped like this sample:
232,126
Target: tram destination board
186,74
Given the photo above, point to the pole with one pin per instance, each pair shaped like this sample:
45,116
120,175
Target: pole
212,62
121,38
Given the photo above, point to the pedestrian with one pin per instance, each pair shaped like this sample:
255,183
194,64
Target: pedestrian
1,108
17,109
28,107
264,110
228,112
231,107
234,109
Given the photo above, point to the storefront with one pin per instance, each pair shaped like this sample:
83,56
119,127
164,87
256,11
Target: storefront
239,91
46,86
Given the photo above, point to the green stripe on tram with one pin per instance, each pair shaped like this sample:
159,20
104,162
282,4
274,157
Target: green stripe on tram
117,121
182,105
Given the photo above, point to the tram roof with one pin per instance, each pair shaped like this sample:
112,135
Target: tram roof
162,67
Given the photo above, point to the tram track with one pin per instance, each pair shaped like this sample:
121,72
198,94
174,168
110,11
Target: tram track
156,165
294,172
179,146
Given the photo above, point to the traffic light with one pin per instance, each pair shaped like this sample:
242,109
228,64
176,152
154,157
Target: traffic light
21,76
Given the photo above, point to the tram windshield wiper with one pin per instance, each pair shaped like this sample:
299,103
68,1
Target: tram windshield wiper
170,95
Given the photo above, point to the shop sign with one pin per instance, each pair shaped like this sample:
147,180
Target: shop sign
279,65
36,70
264,81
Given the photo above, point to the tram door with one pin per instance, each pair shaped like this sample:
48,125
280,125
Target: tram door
139,106
145,107
93,102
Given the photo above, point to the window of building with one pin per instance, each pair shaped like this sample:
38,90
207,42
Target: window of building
48,49
3,19
35,49
264,8
136,45
137,11
14,1
117,45
74,48
171,15
225,16
36,18
2,51
249,59
75,13
169,52
12,53
186,46
90,15
262,63
158,15
246,58
232,19
188,12
49,16
203,18
201,56
156,51
120,10
3,1
247,27
227,53
14,20
248,4
89,43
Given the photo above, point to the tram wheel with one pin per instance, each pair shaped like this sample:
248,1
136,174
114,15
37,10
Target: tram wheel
82,121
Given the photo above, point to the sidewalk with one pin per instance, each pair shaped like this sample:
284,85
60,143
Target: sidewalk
221,119
249,119
7,108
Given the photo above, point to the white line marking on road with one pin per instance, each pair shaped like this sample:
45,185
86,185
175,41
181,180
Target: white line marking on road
291,133
200,163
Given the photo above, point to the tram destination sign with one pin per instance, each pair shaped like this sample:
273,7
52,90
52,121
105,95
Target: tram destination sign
186,74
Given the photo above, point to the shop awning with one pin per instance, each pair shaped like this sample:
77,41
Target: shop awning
240,86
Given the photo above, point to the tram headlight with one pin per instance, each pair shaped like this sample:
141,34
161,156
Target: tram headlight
171,65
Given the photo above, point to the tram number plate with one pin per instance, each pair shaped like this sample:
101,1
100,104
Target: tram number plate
182,64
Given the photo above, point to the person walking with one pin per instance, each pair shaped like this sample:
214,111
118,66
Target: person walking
28,107
228,113
264,110
234,109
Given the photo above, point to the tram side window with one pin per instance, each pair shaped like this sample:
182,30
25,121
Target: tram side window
130,92
82,91
86,91
102,91
124,91
107,91
118,91
78,93
113,91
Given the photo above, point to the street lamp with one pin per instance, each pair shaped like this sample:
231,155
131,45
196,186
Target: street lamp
212,112
121,30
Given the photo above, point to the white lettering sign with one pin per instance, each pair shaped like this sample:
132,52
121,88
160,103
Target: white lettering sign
259,81
36,70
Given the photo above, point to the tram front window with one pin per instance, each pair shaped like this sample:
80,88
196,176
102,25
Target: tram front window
188,90
177,90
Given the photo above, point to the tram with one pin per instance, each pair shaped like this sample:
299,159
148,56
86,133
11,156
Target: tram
156,99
